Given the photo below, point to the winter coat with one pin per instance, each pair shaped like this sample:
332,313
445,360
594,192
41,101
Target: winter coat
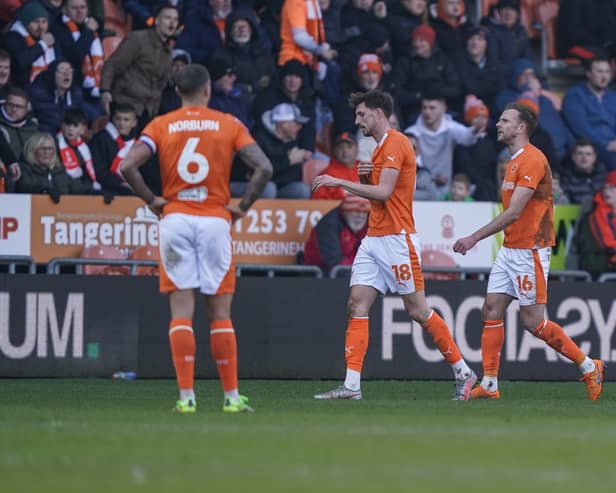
277,151
581,187
17,133
36,178
137,72
200,36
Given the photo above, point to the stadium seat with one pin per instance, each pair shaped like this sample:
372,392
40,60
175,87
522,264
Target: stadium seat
116,19
146,253
110,43
311,169
104,252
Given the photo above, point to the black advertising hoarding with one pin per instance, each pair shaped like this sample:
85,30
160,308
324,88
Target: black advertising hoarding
286,327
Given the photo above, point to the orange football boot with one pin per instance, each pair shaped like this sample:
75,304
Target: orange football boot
594,380
479,392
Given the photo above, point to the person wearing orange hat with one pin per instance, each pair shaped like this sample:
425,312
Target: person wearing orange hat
450,22
336,237
426,70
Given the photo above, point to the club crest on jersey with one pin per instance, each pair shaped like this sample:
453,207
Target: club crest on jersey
197,194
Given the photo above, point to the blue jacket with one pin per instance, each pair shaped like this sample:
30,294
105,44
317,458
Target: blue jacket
200,37
588,117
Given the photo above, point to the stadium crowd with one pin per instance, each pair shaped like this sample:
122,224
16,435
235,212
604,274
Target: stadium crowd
72,103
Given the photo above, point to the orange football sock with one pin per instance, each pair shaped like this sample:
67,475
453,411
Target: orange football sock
555,337
356,343
437,328
182,340
224,351
492,339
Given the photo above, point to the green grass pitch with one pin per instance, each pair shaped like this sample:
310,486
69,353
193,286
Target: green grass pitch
97,435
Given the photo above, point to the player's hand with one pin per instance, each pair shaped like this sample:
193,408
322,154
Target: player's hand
364,168
236,212
463,245
156,206
324,181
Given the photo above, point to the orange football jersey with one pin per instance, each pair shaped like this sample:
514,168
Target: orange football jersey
195,147
535,227
395,214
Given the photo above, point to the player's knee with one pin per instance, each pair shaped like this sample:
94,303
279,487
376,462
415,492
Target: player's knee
357,307
490,311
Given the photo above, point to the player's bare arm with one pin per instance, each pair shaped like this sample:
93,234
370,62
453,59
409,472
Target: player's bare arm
137,157
255,158
519,199
380,191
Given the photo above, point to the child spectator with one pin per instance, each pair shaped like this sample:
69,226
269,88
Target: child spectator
75,153
460,190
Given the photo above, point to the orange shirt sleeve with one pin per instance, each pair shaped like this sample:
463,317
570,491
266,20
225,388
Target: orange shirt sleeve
242,136
295,10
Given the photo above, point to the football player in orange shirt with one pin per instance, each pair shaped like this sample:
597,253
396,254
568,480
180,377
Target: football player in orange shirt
521,267
195,146
389,256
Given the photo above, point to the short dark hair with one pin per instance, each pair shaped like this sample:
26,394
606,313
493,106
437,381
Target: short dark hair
374,99
4,55
599,58
462,178
123,108
584,142
525,115
74,116
191,79
17,91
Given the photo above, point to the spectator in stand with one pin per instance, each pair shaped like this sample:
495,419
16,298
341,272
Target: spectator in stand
302,34
368,76
331,11
424,184
77,38
170,100
585,27
9,167
143,11
403,17
582,174
460,189
138,71
278,137
335,239
342,165
54,11
510,35
226,95
478,161
480,72
31,45
249,52
204,29
52,93
110,145
427,70
595,241
589,108
449,20
438,135
524,81
75,154
5,74
291,88
42,172
16,122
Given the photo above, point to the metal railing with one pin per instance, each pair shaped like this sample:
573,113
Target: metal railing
14,260
607,277
53,266
271,270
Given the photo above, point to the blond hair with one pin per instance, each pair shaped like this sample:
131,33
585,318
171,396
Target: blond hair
34,142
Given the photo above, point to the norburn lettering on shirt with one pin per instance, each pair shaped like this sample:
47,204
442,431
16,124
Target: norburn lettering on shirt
193,125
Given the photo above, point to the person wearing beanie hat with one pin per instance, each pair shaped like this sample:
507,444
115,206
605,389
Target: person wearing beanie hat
335,239
474,107
451,24
426,33
369,71
227,96
31,45
522,265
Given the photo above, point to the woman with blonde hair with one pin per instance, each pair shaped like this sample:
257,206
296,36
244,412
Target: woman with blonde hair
42,172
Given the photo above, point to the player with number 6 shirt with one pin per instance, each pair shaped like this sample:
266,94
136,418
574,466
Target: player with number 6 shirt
195,146
521,267
389,257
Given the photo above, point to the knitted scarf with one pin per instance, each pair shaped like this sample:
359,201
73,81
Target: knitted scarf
603,226
92,64
41,63
68,156
123,148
